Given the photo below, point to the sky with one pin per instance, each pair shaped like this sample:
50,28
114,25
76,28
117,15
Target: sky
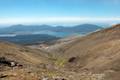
59,11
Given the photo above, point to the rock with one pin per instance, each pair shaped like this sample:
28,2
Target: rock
3,76
12,64
72,59
45,79
7,62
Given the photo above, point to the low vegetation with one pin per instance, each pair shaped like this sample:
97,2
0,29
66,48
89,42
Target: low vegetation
92,57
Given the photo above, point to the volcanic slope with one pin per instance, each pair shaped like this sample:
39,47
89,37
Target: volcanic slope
98,52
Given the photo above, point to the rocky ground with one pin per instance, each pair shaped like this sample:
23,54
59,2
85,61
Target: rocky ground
92,57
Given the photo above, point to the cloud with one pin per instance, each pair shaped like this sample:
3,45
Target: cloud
57,20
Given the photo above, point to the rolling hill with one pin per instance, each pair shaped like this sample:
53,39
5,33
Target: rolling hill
29,39
18,29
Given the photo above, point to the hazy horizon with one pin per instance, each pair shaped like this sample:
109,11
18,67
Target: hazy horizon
59,12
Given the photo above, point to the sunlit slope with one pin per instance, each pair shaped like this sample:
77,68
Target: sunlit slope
21,54
98,51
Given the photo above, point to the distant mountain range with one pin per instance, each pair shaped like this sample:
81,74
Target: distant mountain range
34,34
28,29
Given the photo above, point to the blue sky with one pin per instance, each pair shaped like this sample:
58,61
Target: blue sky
58,11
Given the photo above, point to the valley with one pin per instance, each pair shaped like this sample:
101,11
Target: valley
91,57
59,40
